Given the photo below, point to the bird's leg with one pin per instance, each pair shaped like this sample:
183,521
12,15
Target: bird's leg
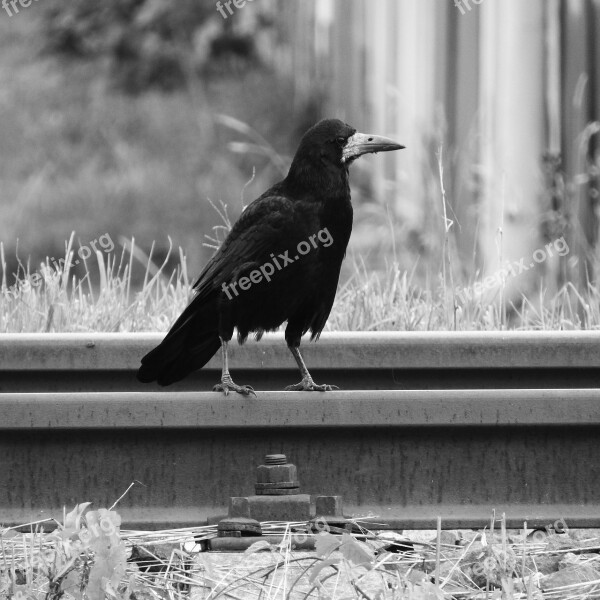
227,383
307,384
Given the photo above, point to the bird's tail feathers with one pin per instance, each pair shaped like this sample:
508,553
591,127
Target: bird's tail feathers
189,345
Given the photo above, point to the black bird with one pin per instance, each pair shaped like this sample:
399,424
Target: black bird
280,262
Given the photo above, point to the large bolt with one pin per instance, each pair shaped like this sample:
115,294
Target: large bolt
275,459
276,477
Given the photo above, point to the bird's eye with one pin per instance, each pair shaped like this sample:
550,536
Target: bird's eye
341,141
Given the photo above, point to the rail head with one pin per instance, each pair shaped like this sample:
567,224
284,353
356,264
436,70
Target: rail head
349,350
356,409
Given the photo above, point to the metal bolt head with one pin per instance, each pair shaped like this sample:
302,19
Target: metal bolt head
276,473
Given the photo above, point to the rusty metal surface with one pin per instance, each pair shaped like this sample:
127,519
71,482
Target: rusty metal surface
355,409
406,457
417,444
349,350
353,361
268,379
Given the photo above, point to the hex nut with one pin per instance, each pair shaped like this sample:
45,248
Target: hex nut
276,473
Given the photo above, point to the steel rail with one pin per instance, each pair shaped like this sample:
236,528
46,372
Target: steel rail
404,456
359,361
354,409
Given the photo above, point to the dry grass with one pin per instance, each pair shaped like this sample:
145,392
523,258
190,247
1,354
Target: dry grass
126,291
174,564
79,155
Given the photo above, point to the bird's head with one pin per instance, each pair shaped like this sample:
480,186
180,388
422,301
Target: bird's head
337,143
332,145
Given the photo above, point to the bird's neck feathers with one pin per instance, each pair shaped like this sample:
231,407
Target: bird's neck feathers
323,180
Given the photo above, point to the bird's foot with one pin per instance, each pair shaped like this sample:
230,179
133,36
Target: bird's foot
308,385
227,385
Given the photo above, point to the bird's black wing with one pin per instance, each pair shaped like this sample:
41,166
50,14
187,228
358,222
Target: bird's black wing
193,338
261,229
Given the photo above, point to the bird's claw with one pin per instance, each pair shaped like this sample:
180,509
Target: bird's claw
227,385
308,385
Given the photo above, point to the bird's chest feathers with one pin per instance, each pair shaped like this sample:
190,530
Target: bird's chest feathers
336,216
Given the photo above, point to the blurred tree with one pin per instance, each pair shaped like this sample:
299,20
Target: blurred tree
148,43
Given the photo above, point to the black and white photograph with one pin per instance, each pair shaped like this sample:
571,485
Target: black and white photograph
299,299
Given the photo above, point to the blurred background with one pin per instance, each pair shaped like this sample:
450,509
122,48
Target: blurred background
156,121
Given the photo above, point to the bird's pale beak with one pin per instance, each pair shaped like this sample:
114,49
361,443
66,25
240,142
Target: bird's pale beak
363,143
